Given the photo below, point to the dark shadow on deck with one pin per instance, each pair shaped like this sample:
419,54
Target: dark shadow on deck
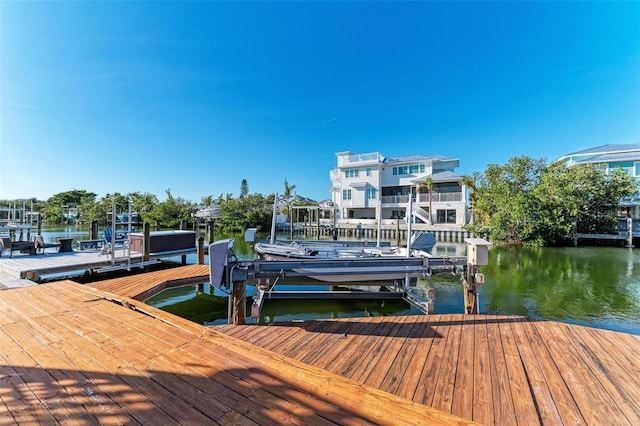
396,328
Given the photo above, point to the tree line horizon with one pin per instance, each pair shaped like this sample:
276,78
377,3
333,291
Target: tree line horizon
524,201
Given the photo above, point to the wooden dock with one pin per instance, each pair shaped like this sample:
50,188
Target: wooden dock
143,286
70,355
76,353
494,370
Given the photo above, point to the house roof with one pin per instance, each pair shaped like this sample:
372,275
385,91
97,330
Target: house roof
358,184
415,158
444,175
608,149
440,176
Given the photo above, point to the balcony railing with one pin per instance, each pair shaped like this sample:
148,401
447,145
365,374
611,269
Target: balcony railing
436,197
395,199
442,197
360,158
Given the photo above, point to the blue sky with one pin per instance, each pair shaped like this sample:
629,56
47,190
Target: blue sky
193,97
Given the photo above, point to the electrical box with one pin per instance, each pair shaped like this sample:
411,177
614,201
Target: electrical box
477,251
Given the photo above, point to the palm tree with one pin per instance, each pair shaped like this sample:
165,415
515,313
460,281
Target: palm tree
287,198
471,181
207,201
287,189
428,184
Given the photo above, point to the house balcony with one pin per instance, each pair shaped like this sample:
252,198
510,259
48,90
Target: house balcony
372,158
436,197
440,197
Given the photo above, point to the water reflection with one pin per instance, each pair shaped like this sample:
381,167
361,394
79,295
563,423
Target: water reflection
199,303
597,286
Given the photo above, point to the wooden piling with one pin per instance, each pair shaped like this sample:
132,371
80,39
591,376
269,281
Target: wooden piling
147,241
239,303
201,250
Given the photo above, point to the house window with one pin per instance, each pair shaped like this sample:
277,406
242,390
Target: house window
446,216
346,194
636,168
404,170
414,169
348,173
602,168
370,193
368,171
397,214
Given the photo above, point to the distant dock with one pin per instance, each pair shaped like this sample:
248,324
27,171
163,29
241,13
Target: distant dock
74,263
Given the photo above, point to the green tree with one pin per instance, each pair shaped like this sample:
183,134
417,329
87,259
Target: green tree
471,182
207,201
57,204
102,210
250,211
244,188
170,213
142,202
505,205
528,202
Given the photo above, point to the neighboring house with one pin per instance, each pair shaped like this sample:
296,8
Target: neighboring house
367,185
609,157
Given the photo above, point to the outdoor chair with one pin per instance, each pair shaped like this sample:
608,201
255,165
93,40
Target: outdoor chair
22,246
40,244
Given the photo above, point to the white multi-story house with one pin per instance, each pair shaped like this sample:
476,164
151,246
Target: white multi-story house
368,186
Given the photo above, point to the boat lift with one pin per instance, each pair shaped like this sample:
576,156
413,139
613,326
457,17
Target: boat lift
232,276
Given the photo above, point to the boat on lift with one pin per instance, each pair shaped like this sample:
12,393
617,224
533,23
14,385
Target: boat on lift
353,263
420,246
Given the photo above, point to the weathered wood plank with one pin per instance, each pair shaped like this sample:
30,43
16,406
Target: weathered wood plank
483,406
425,389
598,364
503,405
524,404
547,411
462,404
373,369
445,382
407,388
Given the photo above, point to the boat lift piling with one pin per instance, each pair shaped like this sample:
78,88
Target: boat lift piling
477,255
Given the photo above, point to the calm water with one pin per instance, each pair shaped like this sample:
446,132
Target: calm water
594,286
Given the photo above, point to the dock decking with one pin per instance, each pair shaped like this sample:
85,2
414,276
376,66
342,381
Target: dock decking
494,370
69,351
68,355
143,286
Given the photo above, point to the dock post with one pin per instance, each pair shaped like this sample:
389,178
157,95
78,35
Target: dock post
211,228
239,303
93,234
146,229
629,232
201,250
